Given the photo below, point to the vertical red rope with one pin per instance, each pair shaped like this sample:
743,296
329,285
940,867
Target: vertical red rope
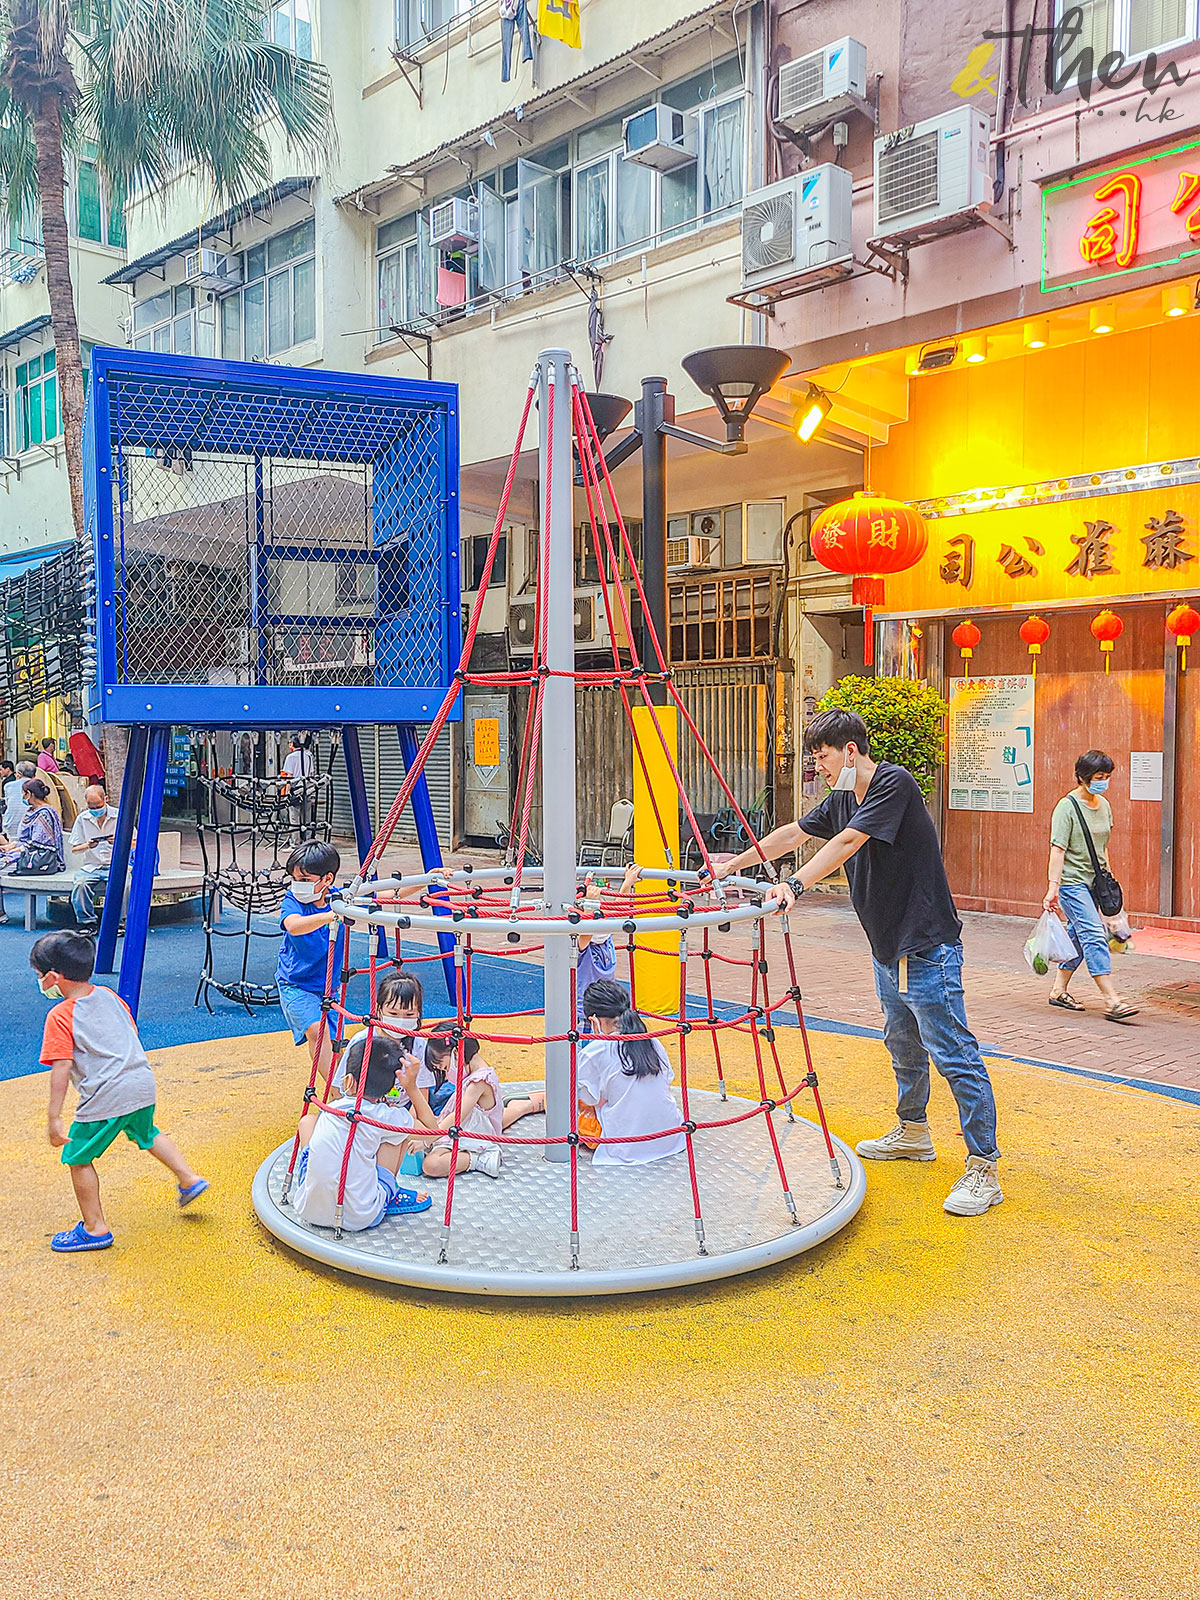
762,1080
688,1126
706,962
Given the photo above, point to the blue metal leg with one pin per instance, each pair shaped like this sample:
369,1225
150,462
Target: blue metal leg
364,834
137,916
118,872
431,850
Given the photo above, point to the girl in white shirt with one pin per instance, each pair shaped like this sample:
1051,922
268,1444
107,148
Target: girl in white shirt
480,1112
627,1080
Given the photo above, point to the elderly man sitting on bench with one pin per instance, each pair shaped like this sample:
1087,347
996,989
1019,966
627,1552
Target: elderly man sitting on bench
91,844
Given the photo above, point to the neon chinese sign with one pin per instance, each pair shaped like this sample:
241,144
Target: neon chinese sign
1142,214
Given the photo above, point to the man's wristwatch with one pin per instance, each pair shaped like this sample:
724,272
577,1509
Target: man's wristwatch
795,886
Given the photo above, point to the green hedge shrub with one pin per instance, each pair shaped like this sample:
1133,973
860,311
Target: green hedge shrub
905,719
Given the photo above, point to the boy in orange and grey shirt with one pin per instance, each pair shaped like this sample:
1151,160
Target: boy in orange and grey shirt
91,1040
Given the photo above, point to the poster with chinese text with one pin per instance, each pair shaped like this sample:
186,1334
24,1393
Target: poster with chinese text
990,756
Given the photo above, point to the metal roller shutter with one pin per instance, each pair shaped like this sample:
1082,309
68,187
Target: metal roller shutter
383,769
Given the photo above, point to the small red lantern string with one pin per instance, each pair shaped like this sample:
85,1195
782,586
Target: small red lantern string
1183,622
1034,632
966,636
1107,627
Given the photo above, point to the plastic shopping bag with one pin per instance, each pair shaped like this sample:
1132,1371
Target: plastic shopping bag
1048,942
1120,934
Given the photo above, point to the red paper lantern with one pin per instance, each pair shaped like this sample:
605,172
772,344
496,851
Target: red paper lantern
1107,627
1034,632
868,536
966,636
1183,622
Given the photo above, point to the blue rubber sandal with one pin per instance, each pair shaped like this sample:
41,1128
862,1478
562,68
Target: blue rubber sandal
78,1238
186,1196
405,1203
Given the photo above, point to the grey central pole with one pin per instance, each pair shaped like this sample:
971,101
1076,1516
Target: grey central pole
558,725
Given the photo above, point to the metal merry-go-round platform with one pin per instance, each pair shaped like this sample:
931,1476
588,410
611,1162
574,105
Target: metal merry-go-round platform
511,1235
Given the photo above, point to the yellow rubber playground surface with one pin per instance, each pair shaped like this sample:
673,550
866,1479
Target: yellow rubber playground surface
926,1407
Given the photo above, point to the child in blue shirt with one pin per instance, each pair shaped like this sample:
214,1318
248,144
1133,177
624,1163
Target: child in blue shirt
303,963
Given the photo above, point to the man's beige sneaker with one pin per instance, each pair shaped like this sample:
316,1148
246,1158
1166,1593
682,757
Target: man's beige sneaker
977,1191
908,1141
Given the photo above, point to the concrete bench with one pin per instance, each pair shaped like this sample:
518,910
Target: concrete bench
172,883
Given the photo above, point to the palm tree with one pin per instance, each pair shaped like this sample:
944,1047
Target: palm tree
157,86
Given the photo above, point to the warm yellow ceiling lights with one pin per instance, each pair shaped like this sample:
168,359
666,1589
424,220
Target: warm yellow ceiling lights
1102,318
975,349
1036,334
1178,299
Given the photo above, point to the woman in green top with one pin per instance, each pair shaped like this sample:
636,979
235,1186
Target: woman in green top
1071,878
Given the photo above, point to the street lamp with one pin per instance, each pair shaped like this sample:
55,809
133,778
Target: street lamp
735,377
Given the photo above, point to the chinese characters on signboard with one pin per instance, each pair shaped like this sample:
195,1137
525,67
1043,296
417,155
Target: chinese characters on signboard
990,755
1166,549
1144,213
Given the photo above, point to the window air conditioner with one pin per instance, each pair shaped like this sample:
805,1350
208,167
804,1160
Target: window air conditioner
797,227
660,137
816,88
454,225
931,172
209,269
762,533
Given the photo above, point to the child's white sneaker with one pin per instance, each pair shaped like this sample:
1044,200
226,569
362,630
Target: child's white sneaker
486,1161
908,1141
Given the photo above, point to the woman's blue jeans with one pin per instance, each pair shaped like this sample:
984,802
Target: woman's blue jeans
1088,933
925,1021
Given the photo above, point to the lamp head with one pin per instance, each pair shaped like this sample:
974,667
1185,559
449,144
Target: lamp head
608,412
735,377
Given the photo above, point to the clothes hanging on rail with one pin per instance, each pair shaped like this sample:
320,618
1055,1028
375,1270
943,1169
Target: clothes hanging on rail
513,16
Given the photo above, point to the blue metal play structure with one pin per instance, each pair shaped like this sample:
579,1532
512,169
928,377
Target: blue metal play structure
274,547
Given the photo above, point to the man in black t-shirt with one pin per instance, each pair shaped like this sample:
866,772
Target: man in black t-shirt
876,825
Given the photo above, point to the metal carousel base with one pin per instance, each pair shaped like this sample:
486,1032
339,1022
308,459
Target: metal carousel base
511,1235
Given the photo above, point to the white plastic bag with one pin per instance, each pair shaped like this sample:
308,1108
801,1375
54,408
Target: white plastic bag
1048,942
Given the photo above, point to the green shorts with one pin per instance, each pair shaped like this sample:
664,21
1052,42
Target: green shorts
87,1140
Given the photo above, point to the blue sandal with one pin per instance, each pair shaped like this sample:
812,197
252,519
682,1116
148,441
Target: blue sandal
78,1238
193,1192
404,1203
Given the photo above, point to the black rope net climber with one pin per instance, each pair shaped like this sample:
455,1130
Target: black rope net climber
248,826
693,918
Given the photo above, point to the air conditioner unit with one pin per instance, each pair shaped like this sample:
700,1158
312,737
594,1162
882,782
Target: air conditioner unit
660,137
454,225
209,269
932,172
522,623
798,228
762,533
591,619
816,88
694,550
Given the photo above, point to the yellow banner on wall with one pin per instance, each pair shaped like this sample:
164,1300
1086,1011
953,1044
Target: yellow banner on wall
559,19
1145,542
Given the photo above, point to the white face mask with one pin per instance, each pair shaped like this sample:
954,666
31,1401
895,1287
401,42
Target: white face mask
847,777
52,993
306,892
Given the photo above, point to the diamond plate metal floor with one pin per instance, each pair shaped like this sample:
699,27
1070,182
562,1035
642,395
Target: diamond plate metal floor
511,1235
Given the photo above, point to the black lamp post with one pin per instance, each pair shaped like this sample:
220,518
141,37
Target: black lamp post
735,377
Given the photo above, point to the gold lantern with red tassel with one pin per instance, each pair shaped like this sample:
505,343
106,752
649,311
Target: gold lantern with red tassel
1108,628
1034,632
868,536
966,636
1183,622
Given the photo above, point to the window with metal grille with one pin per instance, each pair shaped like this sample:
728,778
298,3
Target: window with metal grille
729,618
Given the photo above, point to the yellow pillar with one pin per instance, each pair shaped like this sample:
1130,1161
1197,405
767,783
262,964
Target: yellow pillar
656,977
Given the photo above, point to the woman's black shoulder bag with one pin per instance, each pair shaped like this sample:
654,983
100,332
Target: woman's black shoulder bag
1106,891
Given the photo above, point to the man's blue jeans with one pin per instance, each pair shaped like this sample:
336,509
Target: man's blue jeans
928,1021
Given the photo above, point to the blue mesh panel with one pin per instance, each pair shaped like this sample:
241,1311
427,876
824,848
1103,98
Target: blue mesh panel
275,528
